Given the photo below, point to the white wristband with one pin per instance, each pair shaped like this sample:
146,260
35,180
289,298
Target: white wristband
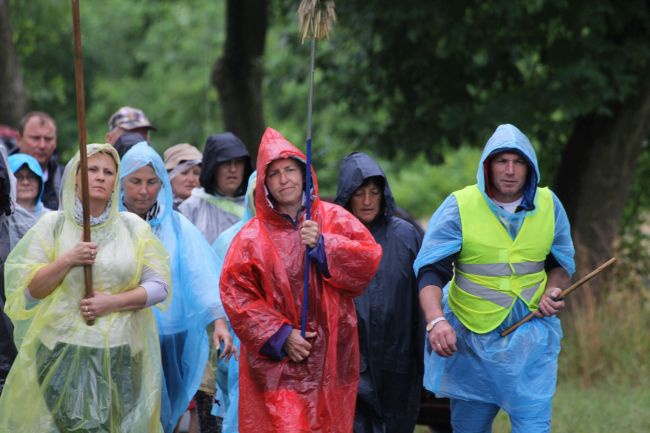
434,322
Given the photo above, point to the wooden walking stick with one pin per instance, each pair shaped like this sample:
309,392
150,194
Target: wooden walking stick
565,292
83,157
316,18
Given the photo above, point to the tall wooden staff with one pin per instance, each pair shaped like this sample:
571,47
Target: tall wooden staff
83,157
316,18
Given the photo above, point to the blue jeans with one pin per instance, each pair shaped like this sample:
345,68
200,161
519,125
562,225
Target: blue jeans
477,417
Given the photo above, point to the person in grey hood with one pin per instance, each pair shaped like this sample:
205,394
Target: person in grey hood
389,319
14,223
219,203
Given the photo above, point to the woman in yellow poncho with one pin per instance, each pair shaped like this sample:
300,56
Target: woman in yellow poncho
69,376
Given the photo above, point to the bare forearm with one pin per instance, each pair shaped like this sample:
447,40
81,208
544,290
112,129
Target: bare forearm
557,277
431,302
49,277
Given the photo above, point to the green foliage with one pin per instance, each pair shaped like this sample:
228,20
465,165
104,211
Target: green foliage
420,187
395,79
154,55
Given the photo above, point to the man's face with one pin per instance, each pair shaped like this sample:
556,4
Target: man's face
508,173
38,139
28,187
229,176
141,190
284,182
365,203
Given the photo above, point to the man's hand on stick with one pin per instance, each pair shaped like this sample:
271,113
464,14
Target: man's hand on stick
551,303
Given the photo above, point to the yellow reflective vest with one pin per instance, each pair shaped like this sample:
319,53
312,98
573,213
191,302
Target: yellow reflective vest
493,270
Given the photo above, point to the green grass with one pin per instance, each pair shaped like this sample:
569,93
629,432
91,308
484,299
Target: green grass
603,408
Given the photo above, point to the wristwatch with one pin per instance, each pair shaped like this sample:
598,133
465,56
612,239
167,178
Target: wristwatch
434,322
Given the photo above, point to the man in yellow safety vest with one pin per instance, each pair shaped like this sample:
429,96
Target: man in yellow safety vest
500,248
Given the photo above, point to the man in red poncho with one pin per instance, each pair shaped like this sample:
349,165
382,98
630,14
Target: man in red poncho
287,383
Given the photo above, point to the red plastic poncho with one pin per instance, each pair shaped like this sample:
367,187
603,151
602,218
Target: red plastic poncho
262,289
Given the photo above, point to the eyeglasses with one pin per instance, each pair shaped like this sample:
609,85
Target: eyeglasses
26,177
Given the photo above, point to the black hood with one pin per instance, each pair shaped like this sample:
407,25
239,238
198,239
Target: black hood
126,141
5,186
221,148
354,170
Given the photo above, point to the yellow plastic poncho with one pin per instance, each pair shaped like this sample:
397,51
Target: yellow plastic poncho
69,376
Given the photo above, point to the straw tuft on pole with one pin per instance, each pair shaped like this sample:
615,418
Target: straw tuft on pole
316,19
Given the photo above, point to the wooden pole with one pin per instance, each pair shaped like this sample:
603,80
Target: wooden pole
83,157
564,293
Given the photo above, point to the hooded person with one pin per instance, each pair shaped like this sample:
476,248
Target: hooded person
510,245
219,203
196,304
388,311
29,183
183,164
69,376
228,370
14,223
291,383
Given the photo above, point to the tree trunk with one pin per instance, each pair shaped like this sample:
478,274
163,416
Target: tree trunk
238,74
597,170
13,100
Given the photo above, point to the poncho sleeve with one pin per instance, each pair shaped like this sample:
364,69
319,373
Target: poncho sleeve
353,256
244,276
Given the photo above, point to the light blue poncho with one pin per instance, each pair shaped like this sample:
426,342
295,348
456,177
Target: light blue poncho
228,371
487,367
195,302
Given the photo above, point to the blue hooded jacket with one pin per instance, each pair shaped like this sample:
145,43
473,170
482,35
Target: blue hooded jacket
518,372
16,162
195,301
444,238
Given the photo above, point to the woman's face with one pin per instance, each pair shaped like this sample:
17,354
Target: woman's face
229,175
141,190
184,182
28,187
102,170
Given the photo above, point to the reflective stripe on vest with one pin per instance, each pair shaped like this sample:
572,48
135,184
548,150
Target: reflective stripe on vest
500,269
501,299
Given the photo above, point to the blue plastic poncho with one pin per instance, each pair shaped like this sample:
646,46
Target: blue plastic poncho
16,161
69,376
196,301
228,371
517,372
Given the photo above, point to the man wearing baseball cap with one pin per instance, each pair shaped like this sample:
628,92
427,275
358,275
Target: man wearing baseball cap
128,119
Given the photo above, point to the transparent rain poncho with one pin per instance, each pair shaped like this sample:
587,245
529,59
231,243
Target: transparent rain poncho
69,376
261,287
228,371
518,372
196,302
